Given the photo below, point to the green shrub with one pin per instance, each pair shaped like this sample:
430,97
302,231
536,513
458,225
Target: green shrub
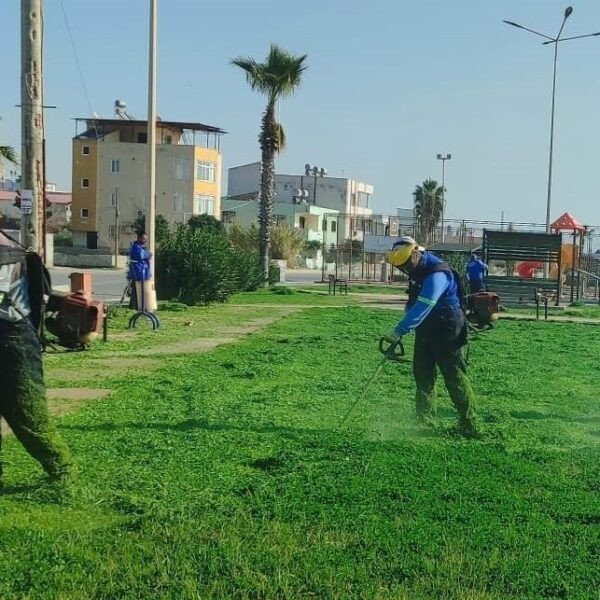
274,273
196,266
64,238
249,275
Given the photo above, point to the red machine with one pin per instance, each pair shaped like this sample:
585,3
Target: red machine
75,318
485,308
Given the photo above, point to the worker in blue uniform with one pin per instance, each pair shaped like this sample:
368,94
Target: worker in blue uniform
476,272
435,312
139,267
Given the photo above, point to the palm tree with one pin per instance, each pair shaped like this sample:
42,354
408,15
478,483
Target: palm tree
429,200
277,77
8,154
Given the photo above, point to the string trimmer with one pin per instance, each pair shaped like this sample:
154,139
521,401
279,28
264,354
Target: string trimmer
393,352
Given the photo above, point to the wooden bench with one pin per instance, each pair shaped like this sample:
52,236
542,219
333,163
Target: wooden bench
340,284
514,290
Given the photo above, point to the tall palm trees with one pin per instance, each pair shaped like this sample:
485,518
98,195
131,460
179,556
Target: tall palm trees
429,207
8,154
277,77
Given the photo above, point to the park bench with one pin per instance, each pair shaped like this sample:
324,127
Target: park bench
514,290
340,284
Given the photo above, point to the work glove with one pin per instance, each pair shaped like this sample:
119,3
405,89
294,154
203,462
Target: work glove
391,337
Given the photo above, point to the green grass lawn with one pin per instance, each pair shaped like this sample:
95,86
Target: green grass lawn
291,295
222,475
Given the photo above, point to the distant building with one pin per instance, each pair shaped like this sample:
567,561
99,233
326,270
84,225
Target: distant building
58,209
351,199
110,167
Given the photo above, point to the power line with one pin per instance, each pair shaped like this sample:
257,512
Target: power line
79,69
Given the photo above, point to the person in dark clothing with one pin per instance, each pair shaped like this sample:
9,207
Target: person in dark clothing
23,402
435,313
476,272
139,267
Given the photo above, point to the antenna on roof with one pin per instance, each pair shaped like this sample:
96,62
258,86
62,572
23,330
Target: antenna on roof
121,111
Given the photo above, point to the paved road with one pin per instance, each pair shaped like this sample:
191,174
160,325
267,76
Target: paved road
107,284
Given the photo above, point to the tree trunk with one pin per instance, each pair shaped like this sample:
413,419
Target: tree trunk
268,142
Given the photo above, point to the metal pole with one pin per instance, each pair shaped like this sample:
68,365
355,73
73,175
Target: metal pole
551,154
443,194
32,121
151,137
324,225
117,228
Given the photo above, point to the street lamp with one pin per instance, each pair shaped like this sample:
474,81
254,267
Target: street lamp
318,172
553,40
315,172
443,158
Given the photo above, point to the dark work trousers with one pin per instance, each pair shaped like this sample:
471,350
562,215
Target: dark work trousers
476,285
23,398
439,342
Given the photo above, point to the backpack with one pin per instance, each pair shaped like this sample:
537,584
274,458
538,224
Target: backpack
39,283
415,289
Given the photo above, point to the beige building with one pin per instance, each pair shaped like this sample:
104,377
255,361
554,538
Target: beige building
110,172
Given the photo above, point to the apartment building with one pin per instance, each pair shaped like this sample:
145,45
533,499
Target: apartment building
110,174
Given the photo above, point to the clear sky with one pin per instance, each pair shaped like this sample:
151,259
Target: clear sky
390,84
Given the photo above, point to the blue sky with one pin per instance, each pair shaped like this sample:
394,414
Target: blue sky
390,84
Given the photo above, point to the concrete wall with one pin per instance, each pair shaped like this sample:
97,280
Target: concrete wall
244,180
65,257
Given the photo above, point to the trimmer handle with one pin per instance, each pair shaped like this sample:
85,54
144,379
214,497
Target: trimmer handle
394,351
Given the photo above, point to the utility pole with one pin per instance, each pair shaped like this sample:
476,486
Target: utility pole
117,215
151,137
32,126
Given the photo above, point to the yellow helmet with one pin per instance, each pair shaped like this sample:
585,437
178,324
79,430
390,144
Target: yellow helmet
402,251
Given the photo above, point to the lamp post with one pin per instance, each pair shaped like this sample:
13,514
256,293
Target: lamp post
315,172
318,172
555,41
443,158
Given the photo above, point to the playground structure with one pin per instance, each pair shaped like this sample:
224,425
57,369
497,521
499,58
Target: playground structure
570,254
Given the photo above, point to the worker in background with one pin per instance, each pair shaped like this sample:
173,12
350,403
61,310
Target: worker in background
23,402
476,272
435,312
139,267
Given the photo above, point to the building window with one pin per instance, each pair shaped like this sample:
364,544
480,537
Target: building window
84,213
168,139
362,199
142,137
183,169
228,217
115,166
178,203
85,182
204,204
85,150
302,222
205,170
333,226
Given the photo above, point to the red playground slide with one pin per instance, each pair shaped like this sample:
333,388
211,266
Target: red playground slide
526,270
